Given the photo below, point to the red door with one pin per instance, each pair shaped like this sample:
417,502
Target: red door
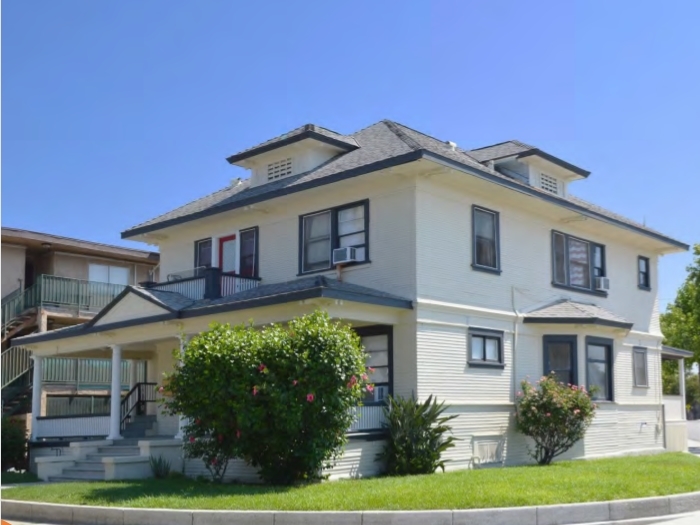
227,254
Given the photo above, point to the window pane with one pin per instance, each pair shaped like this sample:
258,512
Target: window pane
98,273
248,248
373,343
492,353
485,238
380,375
318,254
351,220
317,241
559,356
642,265
579,265
598,377
352,240
118,275
598,261
379,394
378,358
361,254
563,376
597,352
640,368
477,348
559,258
204,253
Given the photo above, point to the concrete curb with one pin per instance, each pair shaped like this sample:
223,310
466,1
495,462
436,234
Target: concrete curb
570,514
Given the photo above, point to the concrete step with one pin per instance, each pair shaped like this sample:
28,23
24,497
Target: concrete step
119,450
79,471
89,465
98,457
101,477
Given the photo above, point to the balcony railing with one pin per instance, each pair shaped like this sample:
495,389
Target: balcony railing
50,290
207,283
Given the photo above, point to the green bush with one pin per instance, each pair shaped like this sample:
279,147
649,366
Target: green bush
280,398
416,438
14,444
159,466
554,415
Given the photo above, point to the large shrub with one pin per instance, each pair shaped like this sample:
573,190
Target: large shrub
416,437
279,397
14,444
555,415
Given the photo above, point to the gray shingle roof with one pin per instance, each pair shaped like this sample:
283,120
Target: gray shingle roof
167,299
501,150
379,145
568,311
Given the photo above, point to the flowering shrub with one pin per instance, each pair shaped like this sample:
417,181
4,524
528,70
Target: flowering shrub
554,415
279,398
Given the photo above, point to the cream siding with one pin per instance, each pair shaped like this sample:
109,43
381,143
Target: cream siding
76,266
130,307
13,260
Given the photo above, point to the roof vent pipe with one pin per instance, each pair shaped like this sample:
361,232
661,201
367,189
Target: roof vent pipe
452,145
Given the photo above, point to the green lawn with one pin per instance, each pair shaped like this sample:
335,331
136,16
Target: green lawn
11,478
564,482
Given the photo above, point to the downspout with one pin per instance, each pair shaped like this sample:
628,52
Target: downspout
515,340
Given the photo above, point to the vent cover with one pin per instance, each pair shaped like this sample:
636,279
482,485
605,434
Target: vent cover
549,184
279,169
488,450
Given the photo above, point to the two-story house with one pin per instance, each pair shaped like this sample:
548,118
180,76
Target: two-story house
464,271
49,282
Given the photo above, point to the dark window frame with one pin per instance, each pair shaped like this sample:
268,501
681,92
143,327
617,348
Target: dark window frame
256,253
647,275
637,350
387,330
591,262
196,252
335,238
486,333
571,339
609,362
497,241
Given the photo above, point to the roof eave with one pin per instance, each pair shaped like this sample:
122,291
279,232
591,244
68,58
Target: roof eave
579,320
308,134
676,353
554,160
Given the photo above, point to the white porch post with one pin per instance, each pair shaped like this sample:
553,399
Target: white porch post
681,385
184,339
116,394
36,394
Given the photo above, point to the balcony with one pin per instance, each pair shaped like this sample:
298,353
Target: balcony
60,292
206,283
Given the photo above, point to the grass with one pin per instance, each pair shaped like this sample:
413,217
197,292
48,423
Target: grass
12,478
563,482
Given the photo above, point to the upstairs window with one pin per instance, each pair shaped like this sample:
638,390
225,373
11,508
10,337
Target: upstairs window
202,253
279,169
549,184
485,242
644,273
321,232
249,253
576,262
102,273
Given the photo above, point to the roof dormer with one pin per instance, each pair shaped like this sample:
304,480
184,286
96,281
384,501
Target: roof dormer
298,151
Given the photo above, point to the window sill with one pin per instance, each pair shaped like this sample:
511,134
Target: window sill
332,269
484,364
645,387
644,288
580,290
486,269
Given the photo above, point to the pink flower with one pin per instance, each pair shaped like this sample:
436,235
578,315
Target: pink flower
261,367
255,390
574,387
294,383
238,433
577,411
370,388
353,380
160,389
371,370
548,414
310,398
191,439
365,377
520,394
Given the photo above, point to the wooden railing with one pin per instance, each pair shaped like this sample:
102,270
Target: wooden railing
231,284
15,361
193,283
190,287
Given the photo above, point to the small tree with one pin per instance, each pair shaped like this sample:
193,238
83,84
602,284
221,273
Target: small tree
280,398
416,438
554,415
14,444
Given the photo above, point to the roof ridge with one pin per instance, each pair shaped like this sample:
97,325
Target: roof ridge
395,129
511,141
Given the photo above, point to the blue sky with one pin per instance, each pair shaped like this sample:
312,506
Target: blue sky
114,112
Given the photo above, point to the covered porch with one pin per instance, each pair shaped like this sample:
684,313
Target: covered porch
674,409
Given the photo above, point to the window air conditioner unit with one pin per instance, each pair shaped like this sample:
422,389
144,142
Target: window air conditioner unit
602,283
344,255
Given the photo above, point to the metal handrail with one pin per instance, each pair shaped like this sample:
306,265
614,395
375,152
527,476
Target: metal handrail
14,293
15,361
137,397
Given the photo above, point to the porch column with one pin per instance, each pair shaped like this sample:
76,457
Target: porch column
36,394
184,339
116,394
681,385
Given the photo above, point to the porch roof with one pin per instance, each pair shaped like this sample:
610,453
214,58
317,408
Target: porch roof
670,352
177,306
565,311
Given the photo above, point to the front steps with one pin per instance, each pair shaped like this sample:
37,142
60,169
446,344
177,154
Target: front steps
92,468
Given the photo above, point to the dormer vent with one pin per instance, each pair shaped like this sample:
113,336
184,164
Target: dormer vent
279,169
549,183
452,145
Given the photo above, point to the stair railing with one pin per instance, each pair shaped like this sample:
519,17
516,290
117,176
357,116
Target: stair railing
136,400
14,362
